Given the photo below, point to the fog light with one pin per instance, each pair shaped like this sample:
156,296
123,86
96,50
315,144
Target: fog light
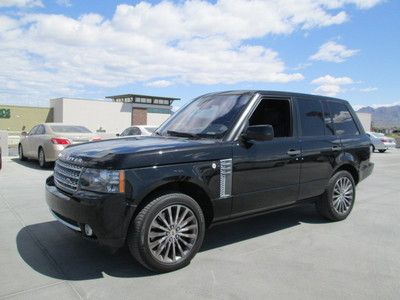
88,230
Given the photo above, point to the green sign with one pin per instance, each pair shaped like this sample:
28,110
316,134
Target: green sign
5,113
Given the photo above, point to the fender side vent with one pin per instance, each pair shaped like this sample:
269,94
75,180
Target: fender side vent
226,178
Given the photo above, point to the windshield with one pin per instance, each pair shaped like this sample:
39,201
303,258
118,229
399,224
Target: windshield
207,116
69,129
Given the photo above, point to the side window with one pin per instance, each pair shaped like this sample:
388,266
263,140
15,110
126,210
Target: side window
40,130
135,131
311,117
342,119
33,130
125,132
275,113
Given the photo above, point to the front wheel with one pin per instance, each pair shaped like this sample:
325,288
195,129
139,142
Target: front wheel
167,233
21,153
338,200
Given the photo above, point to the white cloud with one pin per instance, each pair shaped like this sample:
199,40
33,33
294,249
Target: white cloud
333,52
46,55
331,86
66,3
20,3
159,83
368,89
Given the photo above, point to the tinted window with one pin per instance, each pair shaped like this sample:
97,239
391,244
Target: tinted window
342,119
311,116
135,131
69,129
275,113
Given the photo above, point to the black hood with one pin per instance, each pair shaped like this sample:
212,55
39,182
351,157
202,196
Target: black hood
145,151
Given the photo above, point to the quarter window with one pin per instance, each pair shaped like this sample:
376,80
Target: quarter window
312,118
342,119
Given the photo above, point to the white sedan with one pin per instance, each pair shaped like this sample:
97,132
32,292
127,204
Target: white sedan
381,142
138,130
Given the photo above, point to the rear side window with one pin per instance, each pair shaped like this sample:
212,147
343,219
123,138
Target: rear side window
312,118
40,130
342,119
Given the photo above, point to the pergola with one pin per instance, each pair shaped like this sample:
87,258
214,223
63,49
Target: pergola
143,99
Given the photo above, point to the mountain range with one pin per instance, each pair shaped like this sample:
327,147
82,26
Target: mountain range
384,116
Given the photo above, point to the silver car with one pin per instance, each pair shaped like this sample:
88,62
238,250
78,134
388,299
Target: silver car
380,142
138,130
45,141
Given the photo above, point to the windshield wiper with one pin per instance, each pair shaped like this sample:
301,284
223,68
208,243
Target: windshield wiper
183,134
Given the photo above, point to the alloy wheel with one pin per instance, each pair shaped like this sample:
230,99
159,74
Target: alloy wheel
173,233
343,194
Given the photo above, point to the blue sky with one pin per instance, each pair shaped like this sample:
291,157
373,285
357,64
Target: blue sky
92,49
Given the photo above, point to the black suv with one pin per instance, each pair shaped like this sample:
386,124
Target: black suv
224,156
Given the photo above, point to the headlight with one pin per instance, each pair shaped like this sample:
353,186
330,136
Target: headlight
106,181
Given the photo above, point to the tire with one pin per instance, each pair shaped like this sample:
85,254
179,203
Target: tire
149,234
42,159
21,153
372,148
381,151
336,203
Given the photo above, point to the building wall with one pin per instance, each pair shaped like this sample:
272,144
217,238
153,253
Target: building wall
113,117
366,120
25,116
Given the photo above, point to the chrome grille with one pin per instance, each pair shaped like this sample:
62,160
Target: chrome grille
66,176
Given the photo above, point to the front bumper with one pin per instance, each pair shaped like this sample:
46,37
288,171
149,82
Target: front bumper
108,215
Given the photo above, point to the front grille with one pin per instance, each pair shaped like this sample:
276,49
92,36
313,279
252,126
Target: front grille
66,176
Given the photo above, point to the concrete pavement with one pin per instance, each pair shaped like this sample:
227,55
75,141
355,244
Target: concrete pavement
285,255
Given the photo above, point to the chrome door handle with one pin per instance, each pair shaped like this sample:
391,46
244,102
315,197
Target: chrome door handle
293,152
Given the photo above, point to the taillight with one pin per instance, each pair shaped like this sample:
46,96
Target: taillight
96,138
60,141
384,140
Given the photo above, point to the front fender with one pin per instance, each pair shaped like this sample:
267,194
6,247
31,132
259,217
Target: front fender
145,180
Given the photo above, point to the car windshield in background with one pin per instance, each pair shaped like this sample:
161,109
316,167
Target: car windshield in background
207,116
151,129
69,129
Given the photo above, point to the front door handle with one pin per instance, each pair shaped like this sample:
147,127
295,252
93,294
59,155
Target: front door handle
293,152
336,148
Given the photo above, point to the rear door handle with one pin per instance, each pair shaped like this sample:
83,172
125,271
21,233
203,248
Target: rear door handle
293,152
336,148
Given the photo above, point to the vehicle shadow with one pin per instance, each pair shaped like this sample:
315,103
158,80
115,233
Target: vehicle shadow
33,164
55,251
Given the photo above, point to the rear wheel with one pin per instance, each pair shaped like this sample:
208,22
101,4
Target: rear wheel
42,158
21,153
381,151
338,200
372,148
167,233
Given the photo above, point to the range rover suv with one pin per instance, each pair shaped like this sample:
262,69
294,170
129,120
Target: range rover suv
222,157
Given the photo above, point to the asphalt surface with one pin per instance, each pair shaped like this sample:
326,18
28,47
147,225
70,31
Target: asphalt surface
287,255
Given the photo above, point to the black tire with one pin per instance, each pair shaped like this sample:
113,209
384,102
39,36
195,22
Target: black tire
381,151
138,236
326,206
372,148
42,159
21,153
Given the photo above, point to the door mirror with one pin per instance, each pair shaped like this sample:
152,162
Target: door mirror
24,133
118,134
259,133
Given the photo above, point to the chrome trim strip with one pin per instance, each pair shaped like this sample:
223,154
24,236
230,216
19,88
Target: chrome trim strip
65,223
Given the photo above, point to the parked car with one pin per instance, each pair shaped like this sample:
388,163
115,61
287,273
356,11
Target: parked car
45,141
223,157
381,142
138,130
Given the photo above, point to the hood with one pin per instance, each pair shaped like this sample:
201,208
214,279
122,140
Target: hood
144,151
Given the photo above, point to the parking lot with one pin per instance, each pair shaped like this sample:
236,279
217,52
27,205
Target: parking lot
289,254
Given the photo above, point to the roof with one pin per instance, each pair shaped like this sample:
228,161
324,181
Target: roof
273,93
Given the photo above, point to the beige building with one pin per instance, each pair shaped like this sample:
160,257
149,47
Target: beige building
115,115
